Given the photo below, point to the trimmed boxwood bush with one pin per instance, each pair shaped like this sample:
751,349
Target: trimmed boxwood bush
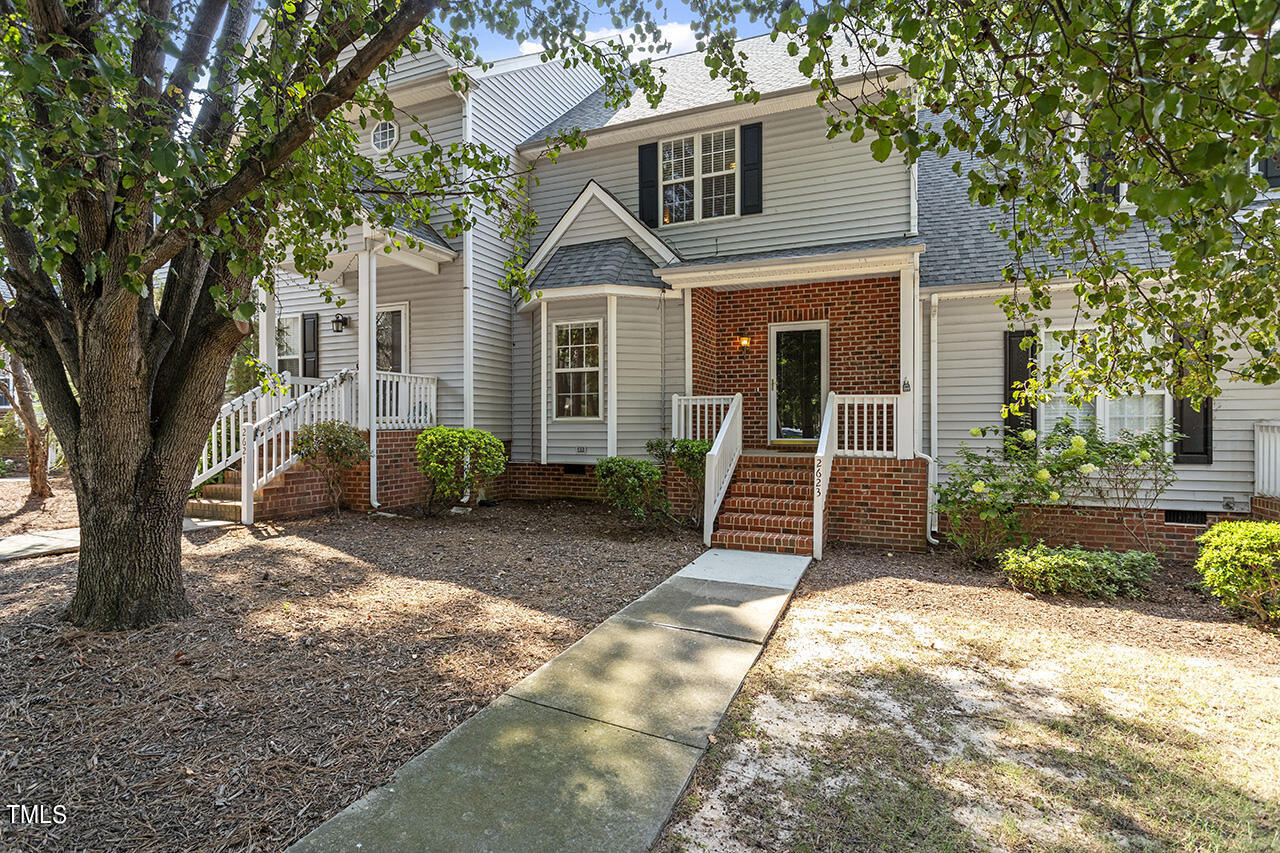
458,462
1094,574
332,448
1240,564
632,485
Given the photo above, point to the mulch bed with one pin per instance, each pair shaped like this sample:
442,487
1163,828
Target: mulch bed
1176,616
21,514
324,654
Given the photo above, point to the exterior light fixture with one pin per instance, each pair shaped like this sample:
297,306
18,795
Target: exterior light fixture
744,341
340,322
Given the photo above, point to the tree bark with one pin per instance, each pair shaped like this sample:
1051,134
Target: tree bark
23,402
129,574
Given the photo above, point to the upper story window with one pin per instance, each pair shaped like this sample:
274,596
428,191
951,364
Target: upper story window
700,176
1102,182
384,135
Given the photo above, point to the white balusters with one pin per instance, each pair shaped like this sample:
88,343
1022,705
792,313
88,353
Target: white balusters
721,461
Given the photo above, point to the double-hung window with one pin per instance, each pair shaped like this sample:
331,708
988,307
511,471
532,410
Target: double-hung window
1135,413
578,369
700,176
289,345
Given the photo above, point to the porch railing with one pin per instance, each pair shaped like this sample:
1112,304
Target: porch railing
823,459
1266,459
404,400
722,460
269,442
699,417
225,445
865,424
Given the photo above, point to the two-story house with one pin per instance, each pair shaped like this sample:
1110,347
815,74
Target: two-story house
706,269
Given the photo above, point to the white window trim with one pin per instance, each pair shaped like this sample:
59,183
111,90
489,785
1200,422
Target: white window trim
798,326
395,139
403,308
556,371
1122,203
281,320
1101,402
698,176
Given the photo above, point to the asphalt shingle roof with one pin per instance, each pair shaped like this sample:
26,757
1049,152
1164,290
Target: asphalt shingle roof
616,261
690,86
403,225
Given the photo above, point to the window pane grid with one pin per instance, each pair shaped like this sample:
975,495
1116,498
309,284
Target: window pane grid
699,176
577,370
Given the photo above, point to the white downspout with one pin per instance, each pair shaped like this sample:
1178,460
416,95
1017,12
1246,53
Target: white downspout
373,381
468,298
933,419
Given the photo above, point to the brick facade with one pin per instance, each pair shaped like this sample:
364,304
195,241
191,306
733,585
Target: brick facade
862,338
1266,509
882,502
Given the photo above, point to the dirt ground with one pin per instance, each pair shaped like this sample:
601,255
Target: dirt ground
323,655
20,515
906,703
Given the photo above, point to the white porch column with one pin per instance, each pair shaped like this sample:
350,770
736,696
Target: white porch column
612,429
366,323
267,329
688,342
908,313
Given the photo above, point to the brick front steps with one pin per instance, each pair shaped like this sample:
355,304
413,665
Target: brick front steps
769,506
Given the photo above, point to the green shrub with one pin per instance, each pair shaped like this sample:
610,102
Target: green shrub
458,462
1094,574
986,492
1240,564
689,456
6,467
332,448
632,485
13,438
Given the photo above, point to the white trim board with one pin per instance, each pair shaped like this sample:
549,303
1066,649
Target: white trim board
658,250
543,296
792,270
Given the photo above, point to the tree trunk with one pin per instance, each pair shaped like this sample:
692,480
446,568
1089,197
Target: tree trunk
130,572
23,402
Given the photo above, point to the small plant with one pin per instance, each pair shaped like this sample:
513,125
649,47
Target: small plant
633,486
1094,574
458,462
6,467
332,448
1240,564
690,457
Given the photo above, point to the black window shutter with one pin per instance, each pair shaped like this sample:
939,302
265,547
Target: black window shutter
752,168
1017,369
649,184
1197,447
311,344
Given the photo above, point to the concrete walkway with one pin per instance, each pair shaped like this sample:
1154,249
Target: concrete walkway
48,542
591,751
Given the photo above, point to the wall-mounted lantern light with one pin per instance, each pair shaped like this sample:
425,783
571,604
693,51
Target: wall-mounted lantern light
340,322
744,341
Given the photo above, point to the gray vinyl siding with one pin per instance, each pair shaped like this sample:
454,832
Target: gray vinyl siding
971,393
504,110
650,362
435,318
596,222
816,191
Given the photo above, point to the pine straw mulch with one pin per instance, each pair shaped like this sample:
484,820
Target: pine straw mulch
324,654
908,703
19,513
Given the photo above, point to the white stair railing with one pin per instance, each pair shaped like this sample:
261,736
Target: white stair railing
865,425
225,445
404,400
699,418
1266,459
722,460
823,459
269,442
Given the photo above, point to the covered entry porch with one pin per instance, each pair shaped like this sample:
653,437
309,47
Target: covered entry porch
794,364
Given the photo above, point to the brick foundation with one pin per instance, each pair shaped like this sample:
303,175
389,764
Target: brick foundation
881,502
1266,509
862,339
534,481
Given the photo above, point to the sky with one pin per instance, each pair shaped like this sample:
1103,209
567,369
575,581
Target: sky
677,29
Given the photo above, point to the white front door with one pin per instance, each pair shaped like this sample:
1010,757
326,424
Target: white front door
797,381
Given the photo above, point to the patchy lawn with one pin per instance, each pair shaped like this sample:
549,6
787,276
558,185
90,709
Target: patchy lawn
908,704
18,514
323,656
